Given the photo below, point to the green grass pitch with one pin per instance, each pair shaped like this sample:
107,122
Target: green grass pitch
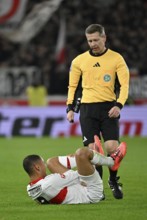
15,204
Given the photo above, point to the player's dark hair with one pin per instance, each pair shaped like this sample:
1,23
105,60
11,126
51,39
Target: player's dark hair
29,161
95,28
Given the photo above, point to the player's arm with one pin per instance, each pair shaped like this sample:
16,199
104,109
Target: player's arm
61,164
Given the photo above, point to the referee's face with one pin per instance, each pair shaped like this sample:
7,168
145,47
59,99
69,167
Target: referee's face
96,42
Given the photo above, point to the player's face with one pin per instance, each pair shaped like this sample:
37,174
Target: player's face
96,42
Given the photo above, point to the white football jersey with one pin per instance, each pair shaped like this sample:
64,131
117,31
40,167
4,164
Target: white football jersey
66,189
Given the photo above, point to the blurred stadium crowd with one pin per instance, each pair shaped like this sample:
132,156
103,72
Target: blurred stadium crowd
126,28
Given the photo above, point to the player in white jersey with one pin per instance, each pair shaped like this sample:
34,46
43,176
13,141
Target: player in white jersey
66,186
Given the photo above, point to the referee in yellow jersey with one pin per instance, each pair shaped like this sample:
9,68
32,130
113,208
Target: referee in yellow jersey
100,70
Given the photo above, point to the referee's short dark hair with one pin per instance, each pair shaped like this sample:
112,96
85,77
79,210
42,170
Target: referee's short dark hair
95,28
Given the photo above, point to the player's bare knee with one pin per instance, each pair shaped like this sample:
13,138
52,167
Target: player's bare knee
111,146
81,153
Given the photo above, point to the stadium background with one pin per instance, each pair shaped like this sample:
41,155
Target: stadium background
38,40
125,23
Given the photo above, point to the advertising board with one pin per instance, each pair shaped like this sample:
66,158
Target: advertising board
51,121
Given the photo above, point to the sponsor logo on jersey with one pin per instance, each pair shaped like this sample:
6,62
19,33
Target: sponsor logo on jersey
62,176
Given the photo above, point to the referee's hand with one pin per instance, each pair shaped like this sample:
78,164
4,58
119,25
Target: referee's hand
70,116
114,112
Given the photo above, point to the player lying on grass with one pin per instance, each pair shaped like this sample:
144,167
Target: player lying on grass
66,186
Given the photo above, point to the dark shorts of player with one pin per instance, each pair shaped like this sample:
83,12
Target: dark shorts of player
94,120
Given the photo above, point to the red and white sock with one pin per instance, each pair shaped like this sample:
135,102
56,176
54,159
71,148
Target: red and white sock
68,161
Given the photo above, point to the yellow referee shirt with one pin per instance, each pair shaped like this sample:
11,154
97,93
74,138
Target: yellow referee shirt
98,77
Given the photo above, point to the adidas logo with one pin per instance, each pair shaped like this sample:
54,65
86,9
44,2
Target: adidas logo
84,139
96,65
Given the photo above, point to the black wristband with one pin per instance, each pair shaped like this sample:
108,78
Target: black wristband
69,108
119,105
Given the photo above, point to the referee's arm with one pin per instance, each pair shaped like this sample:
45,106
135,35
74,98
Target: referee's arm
73,91
123,77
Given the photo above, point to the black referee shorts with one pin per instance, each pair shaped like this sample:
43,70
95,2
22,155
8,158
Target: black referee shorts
94,120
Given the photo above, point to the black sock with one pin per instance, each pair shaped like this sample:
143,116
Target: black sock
113,174
99,170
